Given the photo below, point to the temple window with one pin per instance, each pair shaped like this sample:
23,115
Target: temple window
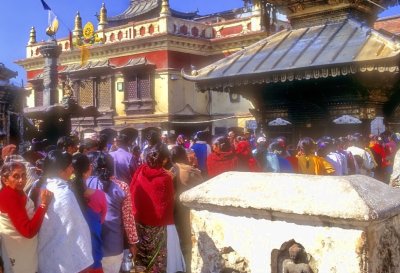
120,35
112,37
138,87
104,98
183,30
86,92
151,29
96,92
138,94
195,31
38,95
142,31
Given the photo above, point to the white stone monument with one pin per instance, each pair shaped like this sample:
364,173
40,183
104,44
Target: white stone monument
246,222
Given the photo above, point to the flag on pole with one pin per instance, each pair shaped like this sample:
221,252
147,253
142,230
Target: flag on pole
45,6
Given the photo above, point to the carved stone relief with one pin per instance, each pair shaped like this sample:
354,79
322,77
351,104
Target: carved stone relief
291,258
224,260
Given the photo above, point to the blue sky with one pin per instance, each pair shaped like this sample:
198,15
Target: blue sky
18,16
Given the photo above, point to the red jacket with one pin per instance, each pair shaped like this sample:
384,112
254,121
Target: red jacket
218,163
13,202
152,193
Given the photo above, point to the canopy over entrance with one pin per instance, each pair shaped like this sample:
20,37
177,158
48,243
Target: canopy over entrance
331,58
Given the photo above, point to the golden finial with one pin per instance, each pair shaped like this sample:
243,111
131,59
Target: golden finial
102,17
103,14
78,22
165,8
32,36
53,28
256,5
77,32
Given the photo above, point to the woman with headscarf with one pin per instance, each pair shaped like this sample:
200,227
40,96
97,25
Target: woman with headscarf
64,239
222,159
276,160
309,163
246,161
153,203
19,223
119,221
93,205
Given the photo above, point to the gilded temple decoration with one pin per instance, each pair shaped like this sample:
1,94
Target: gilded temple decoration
165,8
32,36
77,32
309,12
53,28
103,16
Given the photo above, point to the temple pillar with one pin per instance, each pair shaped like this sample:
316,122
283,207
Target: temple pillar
50,51
139,139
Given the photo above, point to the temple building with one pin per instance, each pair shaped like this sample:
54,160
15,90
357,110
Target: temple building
129,68
12,100
330,74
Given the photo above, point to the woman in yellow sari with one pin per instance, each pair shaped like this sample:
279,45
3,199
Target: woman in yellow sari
309,163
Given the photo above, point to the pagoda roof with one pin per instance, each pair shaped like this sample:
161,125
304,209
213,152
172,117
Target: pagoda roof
142,7
5,73
87,66
101,64
136,8
321,51
74,111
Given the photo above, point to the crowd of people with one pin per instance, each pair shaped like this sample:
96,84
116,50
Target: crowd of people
89,206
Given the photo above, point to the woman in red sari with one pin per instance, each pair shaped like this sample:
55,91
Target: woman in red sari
222,159
152,193
19,223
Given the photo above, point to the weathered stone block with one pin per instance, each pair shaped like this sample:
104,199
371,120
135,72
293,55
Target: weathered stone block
246,222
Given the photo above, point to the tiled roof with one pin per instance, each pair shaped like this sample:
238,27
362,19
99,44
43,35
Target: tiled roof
74,111
101,64
136,8
87,66
6,73
311,52
141,7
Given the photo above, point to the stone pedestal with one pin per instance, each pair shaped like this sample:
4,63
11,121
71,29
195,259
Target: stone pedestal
248,222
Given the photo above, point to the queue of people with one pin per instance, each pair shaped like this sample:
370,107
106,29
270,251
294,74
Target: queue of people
90,206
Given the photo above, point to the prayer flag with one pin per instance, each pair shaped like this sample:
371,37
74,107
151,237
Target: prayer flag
45,6
85,54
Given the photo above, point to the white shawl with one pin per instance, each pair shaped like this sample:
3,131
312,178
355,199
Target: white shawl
19,253
64,238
